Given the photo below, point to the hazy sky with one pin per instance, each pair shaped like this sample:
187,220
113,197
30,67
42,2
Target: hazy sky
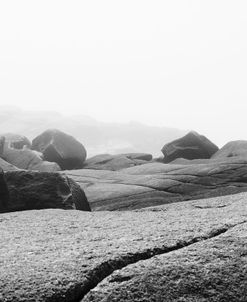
173,63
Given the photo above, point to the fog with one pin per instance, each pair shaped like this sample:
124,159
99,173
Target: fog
178,64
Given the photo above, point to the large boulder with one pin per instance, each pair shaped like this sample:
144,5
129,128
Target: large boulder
28,159
2,143
116,162
4,193
232,149
16,141
157,183
194,251
41,190
190,146
61,148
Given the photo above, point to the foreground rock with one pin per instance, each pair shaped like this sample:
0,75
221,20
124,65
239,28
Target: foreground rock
193,251
190,146
61,148
28,159
116,162
36,190
4,193
157,183
232,149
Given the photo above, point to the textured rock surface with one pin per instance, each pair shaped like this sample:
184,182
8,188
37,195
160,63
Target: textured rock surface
16,141
40,190
157,183
193,251
190,146
7,166
28,159
2,142
4,192
61,148
116,162
232,149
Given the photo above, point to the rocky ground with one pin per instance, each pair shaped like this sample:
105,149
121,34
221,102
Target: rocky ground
188,251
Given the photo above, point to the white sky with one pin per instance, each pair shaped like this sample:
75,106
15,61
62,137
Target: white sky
168,63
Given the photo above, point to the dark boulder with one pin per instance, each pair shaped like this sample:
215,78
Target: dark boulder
61,148
190,146
4,193
232,149
41,190
16,141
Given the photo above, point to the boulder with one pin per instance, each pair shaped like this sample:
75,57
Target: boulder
116,162
28,159
190,146
40,190
157,183
4,193
193,251
232,149
61,148
16,141
7,166
2,142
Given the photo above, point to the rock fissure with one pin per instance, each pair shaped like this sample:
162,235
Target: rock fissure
104,270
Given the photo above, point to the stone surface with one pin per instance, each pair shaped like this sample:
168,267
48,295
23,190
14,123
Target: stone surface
28,159
193,251
4,193
40,190
157,183
2,142
61,148
16,141
190,146
7,166
116,162
232,149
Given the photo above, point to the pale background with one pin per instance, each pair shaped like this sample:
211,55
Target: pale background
170,63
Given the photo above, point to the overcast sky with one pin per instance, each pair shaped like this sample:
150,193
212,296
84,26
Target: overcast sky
168,63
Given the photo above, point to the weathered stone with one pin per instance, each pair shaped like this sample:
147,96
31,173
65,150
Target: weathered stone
7,166
2,142
16,141
190,251
61,148
190,146
156,183
116,162
232,149
40,190
4,193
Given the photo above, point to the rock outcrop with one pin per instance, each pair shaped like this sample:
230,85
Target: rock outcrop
61,148
40,190
157,183
28,159
116,162
2,142
16,141
232,149
190,146
193,251
4,193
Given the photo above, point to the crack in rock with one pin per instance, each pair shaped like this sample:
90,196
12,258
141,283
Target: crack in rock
105,269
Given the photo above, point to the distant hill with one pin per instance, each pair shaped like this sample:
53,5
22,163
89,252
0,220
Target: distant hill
97,137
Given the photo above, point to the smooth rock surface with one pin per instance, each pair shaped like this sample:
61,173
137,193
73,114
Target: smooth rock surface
156,183
190,146
41,190
16,141
116,162
193,251
232,149
61,148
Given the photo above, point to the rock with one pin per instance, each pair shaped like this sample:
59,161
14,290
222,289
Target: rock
16,141
193,251
40,190
28,159
7,166
116,162
156,183
4,193
2,142
232,149
190,146
61,148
